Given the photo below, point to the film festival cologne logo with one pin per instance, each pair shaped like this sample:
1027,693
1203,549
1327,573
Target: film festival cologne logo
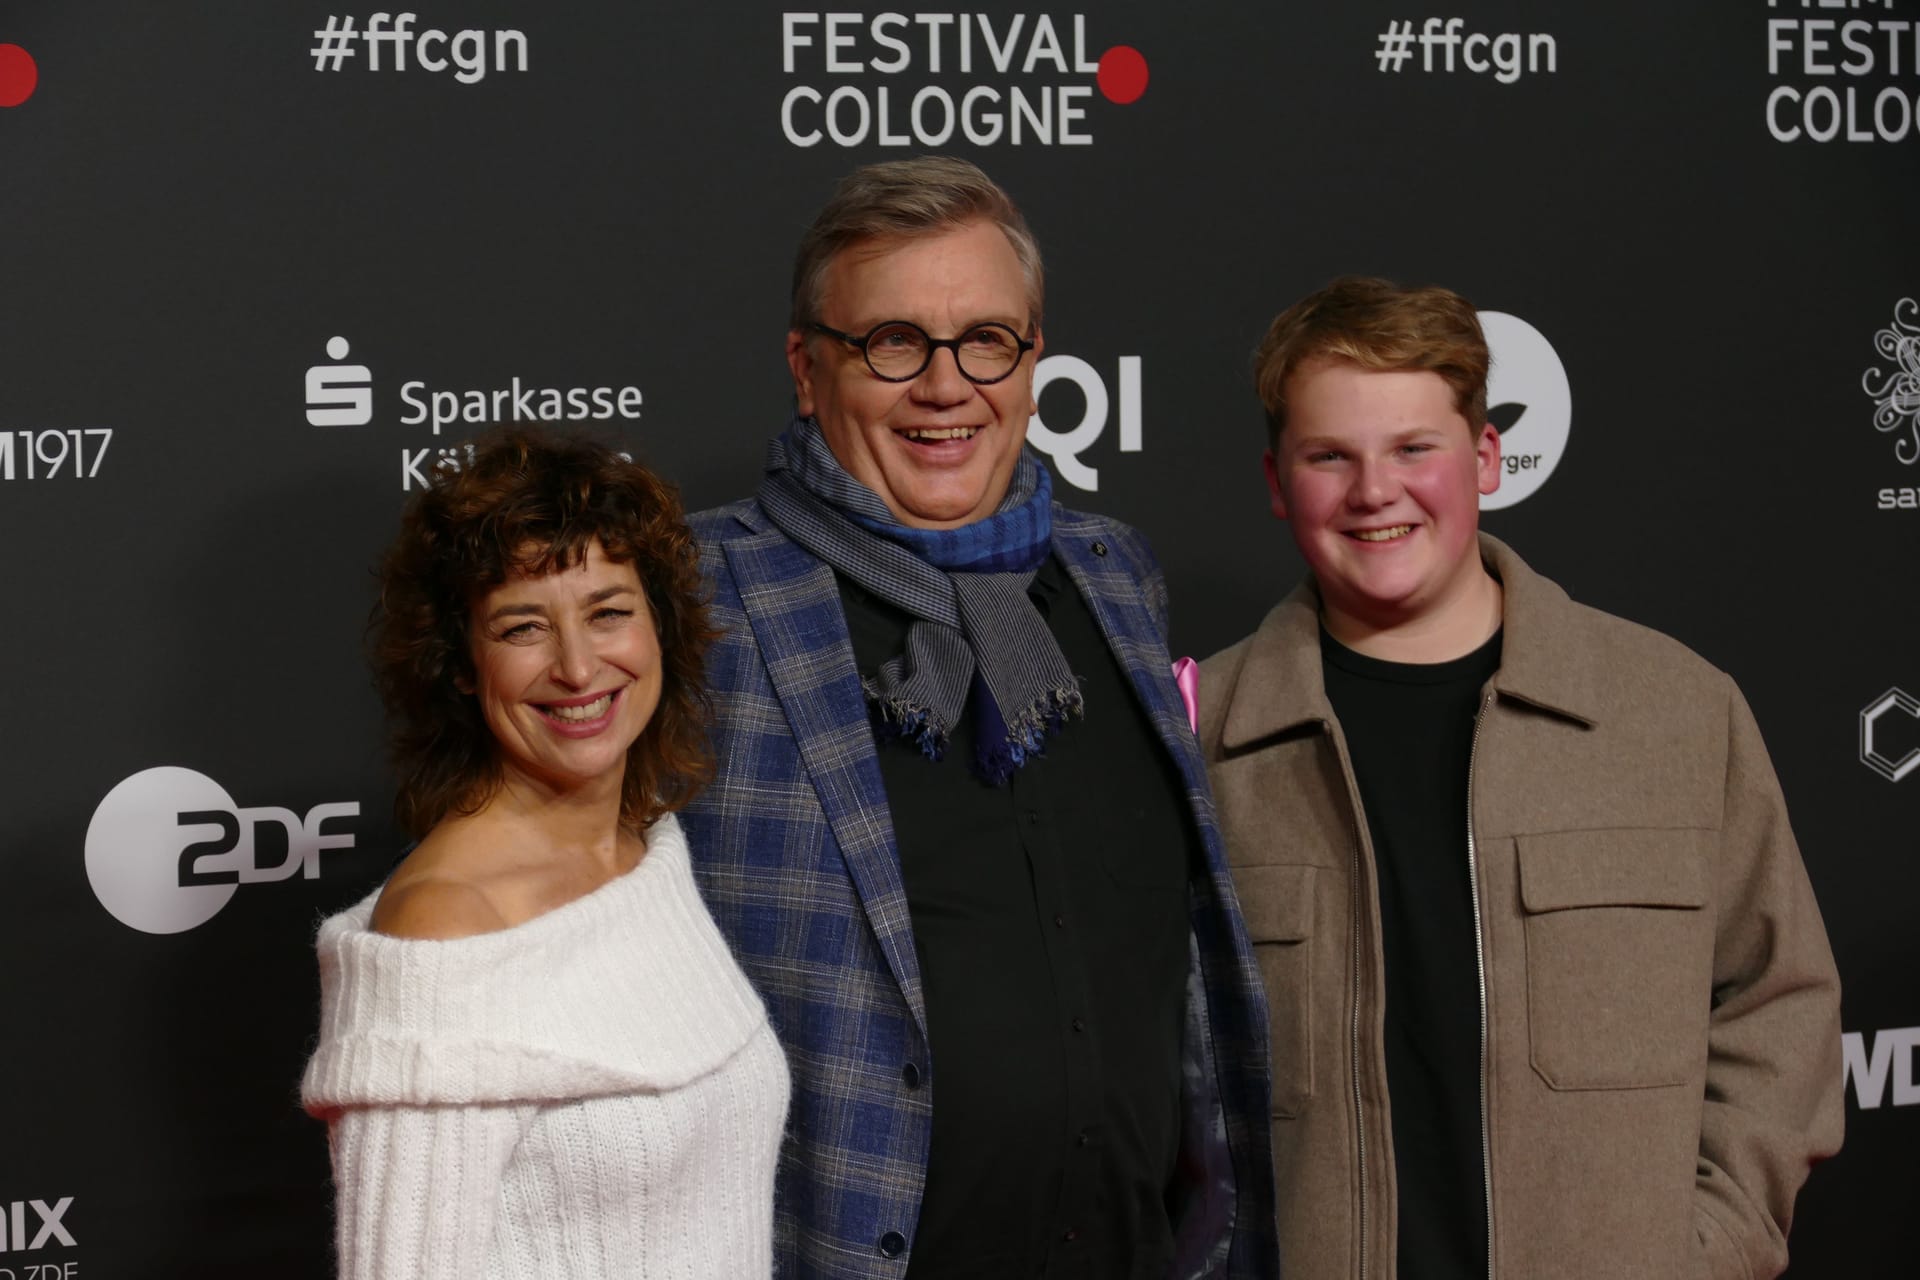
168,847
931,80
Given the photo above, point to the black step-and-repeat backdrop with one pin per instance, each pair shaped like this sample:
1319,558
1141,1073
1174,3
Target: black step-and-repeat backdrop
264,266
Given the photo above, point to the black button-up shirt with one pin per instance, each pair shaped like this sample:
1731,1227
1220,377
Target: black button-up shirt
1050,917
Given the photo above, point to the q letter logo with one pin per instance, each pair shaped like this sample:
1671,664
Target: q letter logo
167,848
1065,447
1529,403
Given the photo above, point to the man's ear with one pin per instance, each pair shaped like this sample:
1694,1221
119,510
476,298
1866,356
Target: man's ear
1272,467
800,364
1487,459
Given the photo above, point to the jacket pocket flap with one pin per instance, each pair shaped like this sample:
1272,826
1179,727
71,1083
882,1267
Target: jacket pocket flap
1623,867
1276,901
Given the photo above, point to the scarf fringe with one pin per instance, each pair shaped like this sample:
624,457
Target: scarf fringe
1026,736
909,721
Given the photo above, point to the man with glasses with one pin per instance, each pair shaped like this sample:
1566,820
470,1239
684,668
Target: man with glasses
959,836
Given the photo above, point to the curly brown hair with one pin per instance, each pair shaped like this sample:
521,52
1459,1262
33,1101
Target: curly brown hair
523,502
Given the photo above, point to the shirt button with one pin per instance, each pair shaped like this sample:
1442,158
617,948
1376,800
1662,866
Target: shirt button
1079,1024
1073,1233
893,1244
1081,1139
1099,548
911,1074
1059,921
1033,817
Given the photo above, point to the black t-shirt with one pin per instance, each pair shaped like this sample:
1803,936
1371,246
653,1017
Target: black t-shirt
1050,917
1409,731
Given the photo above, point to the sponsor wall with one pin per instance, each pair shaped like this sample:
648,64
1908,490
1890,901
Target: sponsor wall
263,268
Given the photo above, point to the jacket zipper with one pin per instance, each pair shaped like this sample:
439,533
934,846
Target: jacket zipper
1480,964
1353,1004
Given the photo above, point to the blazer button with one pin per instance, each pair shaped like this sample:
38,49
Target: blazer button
1099,548
893,1244
911,1074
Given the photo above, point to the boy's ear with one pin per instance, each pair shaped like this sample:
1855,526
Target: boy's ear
1487,451
1271,466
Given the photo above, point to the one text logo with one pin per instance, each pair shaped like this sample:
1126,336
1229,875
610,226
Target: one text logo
167,847
1867,1069
339,395
466,52
928,79
1880,734
1842,79
18,1233
1096,405
1529,402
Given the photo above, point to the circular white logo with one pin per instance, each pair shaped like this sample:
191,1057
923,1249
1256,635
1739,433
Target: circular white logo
136,843
1529,403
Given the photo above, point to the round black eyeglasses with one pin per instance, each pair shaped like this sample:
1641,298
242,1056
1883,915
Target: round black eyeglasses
900,351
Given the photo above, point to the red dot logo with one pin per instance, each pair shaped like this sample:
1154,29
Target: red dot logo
1123,74
18,75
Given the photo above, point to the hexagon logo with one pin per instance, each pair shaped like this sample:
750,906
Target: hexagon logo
1871,755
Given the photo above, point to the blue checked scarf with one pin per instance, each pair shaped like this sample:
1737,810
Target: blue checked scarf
975,633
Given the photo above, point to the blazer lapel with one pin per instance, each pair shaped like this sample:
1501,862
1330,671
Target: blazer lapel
793,604
1133,634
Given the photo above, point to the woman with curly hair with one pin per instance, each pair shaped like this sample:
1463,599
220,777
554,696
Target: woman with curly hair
537,1056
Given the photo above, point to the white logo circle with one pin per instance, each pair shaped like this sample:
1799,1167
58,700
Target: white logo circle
1529,402
134,844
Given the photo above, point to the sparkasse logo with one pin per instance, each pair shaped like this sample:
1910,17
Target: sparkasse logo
342,395
1024,79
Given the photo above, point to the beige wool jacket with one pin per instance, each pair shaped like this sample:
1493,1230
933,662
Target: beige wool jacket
1660,1018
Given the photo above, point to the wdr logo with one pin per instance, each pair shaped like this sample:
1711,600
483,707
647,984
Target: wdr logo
339,395
167,847
1529,403
1892,1055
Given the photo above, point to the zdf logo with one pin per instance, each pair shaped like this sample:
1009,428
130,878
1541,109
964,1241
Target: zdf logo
167,847
1065,447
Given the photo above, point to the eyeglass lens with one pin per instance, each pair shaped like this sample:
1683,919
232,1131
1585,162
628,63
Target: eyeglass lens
986,352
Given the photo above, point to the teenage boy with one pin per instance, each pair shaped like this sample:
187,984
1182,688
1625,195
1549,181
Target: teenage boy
1549,992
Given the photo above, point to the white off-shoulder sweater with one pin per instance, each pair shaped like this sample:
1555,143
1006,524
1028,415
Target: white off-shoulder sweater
593,1093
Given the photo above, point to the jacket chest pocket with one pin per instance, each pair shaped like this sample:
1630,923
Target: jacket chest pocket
1277,903
1619,956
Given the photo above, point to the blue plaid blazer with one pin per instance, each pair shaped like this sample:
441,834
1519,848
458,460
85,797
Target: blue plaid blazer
794,851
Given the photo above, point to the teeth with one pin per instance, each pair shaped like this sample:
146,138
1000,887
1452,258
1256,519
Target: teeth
1383,535
591,711
942,433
